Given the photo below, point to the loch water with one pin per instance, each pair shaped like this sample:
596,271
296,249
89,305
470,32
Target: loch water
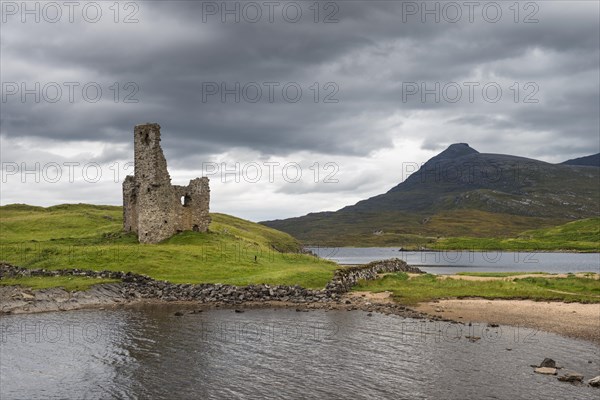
147,352
452,261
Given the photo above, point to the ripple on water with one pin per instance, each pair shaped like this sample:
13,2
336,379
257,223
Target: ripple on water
270,354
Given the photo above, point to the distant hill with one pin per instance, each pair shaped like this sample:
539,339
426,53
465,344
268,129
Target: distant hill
590,161
582,235
459,192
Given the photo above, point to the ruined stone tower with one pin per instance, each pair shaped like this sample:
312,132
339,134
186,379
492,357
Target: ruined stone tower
152,207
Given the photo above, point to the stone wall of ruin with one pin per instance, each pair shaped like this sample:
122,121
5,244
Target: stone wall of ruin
152,207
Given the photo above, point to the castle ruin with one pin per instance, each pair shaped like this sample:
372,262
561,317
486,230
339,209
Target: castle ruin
152,207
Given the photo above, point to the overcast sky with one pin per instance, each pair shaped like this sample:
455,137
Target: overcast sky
351,94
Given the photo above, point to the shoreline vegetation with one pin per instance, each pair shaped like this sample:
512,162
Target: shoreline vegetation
532,300
244,256
405,288
410,289
132,288
572,319
68,284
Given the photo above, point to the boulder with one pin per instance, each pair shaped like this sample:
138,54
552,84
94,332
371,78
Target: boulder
595,382
545,371
548,363
571,377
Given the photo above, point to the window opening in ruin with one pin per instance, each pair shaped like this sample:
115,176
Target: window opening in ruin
146,138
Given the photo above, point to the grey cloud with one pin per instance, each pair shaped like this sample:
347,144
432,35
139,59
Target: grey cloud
369,53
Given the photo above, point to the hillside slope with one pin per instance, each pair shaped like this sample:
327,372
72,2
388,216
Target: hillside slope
590,161
234,251
459,192
582,235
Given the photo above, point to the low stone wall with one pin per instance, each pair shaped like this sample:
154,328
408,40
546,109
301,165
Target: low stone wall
12,271
344,279
137,286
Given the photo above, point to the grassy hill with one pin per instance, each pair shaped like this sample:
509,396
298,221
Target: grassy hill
582,235
90,237
460,192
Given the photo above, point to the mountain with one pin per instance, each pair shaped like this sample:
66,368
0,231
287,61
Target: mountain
459,192
590,161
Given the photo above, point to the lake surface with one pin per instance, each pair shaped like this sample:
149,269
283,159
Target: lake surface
147,352
451,262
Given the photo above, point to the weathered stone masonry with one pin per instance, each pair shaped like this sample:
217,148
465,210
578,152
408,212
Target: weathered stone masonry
152,207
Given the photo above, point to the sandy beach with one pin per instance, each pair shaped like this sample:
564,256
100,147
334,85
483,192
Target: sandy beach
576,320
570,319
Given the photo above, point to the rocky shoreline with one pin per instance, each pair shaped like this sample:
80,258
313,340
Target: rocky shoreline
139,288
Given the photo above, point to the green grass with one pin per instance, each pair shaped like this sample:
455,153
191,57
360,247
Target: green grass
410,230
582,235
431,287
24,223
71,284
446,230
90,237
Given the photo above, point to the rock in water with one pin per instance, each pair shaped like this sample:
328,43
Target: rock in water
571,377
548,363
595,382
545,371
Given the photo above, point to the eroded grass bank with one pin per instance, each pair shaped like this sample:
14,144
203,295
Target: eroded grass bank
411,290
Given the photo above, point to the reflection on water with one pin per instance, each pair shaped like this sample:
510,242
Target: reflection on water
147,352
451,262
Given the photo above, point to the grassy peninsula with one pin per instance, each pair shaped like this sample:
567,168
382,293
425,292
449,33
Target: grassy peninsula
234,251
405,289
239,252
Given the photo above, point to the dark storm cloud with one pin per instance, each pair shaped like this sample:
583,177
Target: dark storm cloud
368,54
